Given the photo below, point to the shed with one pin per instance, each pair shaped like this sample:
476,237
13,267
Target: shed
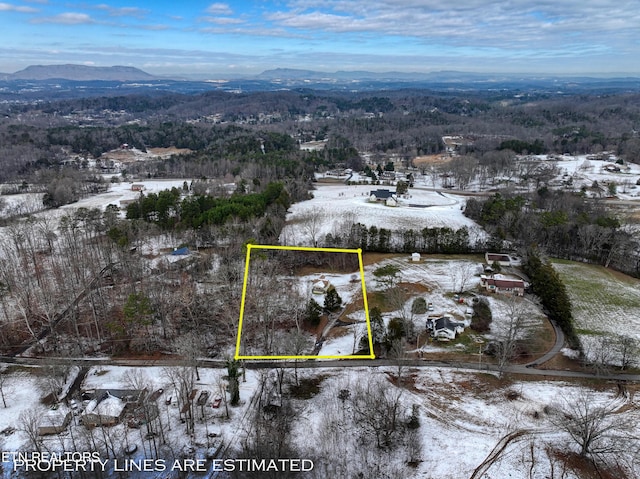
415,257
54,422
320,287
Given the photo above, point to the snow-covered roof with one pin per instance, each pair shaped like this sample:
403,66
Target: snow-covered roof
109,406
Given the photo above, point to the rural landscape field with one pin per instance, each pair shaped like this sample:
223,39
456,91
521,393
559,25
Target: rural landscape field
319,240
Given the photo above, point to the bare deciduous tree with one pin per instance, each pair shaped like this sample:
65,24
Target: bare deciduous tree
136,379
378,411
311,223
599,427
29,421
183,380
5,387
511,331
627,349
461,274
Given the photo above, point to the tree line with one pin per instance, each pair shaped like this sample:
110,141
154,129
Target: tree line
168,210
564,224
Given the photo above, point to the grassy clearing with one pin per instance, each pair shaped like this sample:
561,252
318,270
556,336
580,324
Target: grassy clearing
307,387
604,301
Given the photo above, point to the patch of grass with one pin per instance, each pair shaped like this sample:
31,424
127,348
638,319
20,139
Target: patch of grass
589,332
602,300
16,368
306,387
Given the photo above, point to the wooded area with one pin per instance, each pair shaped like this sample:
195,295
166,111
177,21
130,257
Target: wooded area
251,142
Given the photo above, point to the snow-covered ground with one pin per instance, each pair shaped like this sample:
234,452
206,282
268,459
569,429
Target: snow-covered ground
23,391
335,207
441,278
463,416
604,302
573,173
122,192
584,171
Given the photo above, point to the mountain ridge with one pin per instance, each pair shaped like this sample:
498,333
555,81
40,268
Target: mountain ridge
76,72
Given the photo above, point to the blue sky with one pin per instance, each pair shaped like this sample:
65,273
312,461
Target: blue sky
246,37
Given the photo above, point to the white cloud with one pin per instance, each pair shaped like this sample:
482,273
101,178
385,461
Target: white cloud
69,18
155,28
219,9
123,11
7,7
471,22
222,20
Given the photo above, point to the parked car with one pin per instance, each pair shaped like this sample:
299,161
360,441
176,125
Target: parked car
202,399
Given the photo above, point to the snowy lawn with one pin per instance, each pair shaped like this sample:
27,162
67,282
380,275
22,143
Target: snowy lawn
603,301
440,279
335,206
462,416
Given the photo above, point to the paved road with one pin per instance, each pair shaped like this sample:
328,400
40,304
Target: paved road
549,355
332,363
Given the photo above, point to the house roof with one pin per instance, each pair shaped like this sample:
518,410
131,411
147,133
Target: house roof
504,283
321,283
54,418
498,257
109,406
382,193
445,322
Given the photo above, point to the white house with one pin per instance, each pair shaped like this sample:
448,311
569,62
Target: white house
320,286
385,196
445,328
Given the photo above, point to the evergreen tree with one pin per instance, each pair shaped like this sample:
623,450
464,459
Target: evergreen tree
332,300
234,385
313,311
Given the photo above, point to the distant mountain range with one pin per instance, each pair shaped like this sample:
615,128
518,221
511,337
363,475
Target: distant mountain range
78,73
76,81
289,75
358,75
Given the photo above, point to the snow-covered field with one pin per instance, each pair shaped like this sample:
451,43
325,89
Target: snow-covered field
463,416
585,171
336,206
122,192
573,173
604,302
441,278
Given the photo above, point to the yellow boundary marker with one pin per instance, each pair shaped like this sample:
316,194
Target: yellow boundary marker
304,248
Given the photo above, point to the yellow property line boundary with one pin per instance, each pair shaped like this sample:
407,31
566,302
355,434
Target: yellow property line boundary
250,247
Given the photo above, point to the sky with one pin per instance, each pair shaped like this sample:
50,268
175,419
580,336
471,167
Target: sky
563,37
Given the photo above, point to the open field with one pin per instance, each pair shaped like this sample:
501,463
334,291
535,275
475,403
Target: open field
604,301
334,208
